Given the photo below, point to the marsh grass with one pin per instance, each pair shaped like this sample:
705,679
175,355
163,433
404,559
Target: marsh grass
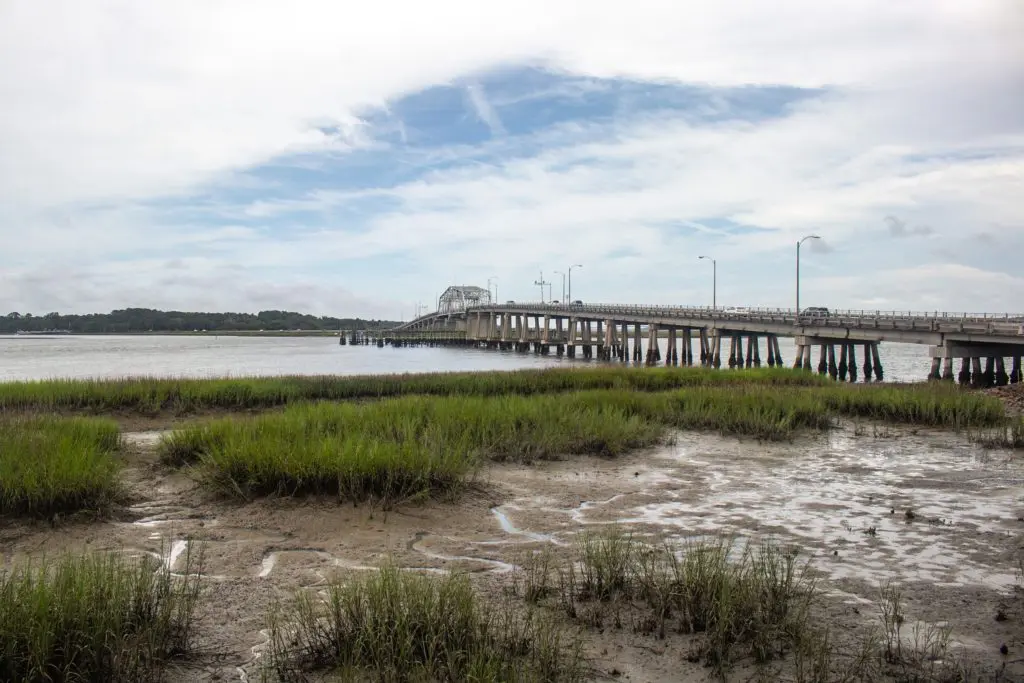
150,395
753,603
396,449
419,446
401,626
54,465
101,617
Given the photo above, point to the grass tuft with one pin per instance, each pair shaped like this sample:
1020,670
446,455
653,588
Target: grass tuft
102,617
400,626
52,465
756,604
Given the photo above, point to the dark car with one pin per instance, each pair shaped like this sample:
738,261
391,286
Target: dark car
577,303
813,313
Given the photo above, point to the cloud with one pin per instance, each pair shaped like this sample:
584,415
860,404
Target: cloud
137,134
484,110
898,228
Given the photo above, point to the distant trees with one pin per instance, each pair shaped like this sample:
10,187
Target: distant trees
149,320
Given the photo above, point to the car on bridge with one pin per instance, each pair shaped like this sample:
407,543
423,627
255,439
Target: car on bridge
814,313
577,303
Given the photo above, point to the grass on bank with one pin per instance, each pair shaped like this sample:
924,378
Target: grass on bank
401,626
756,604
102,617
424,445
146,395
54,465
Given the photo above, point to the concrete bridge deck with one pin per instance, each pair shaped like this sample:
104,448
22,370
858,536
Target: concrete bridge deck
622,330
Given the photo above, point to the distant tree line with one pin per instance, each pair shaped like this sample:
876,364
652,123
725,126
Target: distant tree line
148,320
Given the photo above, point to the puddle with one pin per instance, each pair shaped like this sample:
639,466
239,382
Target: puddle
509,528
844,494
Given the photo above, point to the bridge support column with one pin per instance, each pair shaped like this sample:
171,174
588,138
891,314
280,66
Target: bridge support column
778,352
798,362
833,371
877,357
990,371
822,359
637,344
1015,372
749,361
703,341
843,364
934,374
867,362
771,350
977,379
947,369
732,350
1002,379
716,352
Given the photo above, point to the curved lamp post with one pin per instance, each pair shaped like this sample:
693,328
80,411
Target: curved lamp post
799,242
714,281
575,265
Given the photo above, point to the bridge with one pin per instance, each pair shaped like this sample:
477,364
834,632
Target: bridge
696,335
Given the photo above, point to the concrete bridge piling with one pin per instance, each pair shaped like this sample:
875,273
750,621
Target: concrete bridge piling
990,353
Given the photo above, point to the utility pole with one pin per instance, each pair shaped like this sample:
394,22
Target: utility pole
495,280
541,284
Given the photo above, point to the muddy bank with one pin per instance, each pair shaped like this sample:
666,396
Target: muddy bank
1012,397
939,515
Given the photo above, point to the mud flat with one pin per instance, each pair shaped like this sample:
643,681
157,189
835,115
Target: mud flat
939,515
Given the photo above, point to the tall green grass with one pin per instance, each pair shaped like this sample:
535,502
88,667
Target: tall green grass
147,395
399,626
50,465
399,448
428,446
102,617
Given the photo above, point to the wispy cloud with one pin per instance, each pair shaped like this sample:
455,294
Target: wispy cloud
484,110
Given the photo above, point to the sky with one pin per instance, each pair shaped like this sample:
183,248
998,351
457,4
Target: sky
344,158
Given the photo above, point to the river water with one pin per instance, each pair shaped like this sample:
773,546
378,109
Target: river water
41,357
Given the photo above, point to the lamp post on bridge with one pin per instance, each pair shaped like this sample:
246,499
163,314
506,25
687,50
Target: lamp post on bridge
799,242
558,272
575,265
495,288
714,281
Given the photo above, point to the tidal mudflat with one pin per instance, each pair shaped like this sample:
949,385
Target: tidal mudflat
864,508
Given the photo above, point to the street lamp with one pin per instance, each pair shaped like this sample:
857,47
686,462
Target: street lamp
558,272
495,288
714,281
799,242
575,265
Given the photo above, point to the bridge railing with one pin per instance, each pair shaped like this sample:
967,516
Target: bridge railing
742,312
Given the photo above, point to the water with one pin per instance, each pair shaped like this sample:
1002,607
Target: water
38,357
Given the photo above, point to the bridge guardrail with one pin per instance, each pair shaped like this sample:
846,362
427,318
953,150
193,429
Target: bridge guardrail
878,319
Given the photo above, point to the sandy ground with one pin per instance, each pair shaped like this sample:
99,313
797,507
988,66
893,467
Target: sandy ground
955,555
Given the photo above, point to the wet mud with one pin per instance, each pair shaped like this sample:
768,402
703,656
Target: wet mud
941,516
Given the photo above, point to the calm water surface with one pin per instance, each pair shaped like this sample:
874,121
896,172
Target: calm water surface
39,357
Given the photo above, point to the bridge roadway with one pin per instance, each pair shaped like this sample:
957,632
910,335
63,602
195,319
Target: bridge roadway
697,333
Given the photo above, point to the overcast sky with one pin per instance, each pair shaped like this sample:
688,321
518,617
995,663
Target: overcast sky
356,158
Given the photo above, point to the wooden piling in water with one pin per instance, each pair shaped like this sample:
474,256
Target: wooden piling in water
833,371
867,362
843,364
822,359
947,369
1015,372
1002,379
